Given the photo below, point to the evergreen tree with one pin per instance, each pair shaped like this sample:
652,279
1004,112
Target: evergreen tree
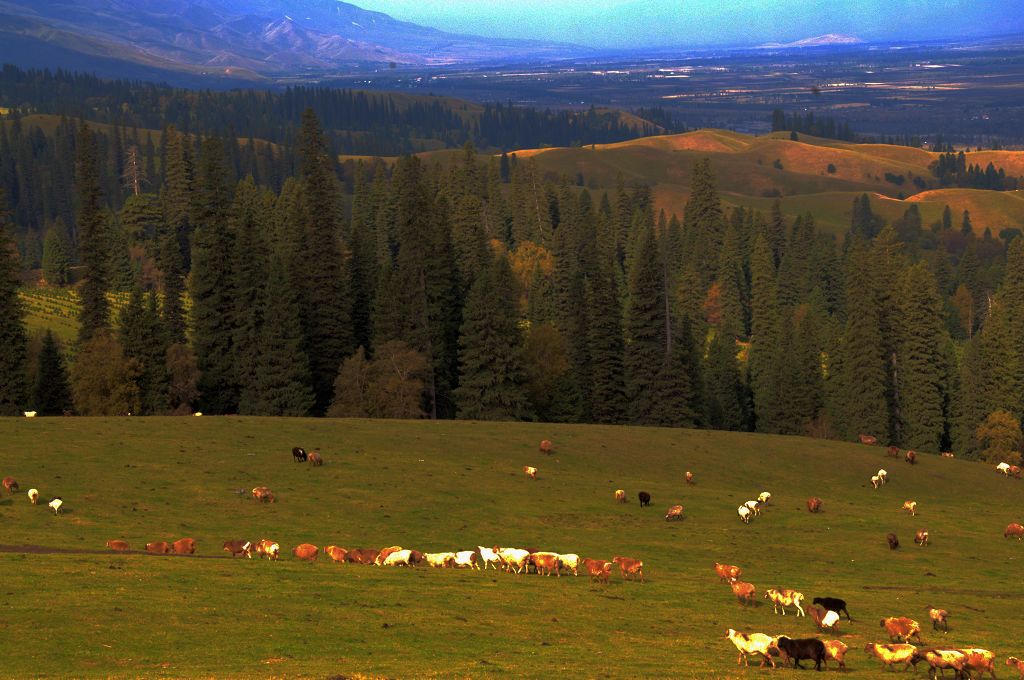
678,384
52,393
966,228
605,345
491,385
764,320
56,256
175,231
251,224
144,339
724,390
363,244
121,274
703,222
92,249
645,329
13,340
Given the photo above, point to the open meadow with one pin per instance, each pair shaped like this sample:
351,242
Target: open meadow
438,486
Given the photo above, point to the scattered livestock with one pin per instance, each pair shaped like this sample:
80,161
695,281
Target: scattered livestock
599,570
743,591
883,475
184,546
893,541
10,484
674,512
645,498
620,495
1014,529
727,572
158,547
490,557
893,452
315,459
833,604
239,547
55,504
824,619
980,660
754,644
938,616
764,497
836,650
440,560
921,537
115,544
901,628
941,660
385,553
876,481
465,559
754,506
911,457
30,414
530,471
1004,468
33,496
334,552
892,654
868,439
948,454
1018,664
570,562
268,548
785,597
546,446
299,454
803,648
689,477
306,552
744,513
263,494
911,507
814,504
631,568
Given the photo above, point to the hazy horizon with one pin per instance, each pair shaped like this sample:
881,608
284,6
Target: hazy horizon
652,23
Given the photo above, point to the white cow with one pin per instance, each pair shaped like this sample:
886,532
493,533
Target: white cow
440,559
754,506
514,559
882,475
33,496
490,557
876,481
466,559
570,562
398,559
764,497
744,513
1004,468
55,504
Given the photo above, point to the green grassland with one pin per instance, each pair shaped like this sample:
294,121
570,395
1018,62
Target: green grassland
455,485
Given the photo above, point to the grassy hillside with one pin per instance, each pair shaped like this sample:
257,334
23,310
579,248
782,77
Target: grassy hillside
456,485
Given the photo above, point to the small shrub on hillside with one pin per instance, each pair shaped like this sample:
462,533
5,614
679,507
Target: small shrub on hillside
831,169
777,164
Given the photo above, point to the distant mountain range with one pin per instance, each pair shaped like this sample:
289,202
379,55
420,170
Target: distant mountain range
828,40
249,39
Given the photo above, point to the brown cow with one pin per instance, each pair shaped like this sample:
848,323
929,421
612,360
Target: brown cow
1014,529
1016,663
814,504
263,494
744,591
315,458
239,547
599,570
268,548
893,452
630,568
1015,471
836,649
901,628
868,439
727,572
335,553
383,554
675,512
362,556
118,545
306,551
689,477
546,446
893,541
184,546
159,547
910,457
545,563
938,616
980,660
10,484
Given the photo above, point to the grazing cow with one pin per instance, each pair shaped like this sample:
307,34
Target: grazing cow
645,498
620,495
824,619
804,648
743,591
158,547
530,471
785,597
33,496
755,507
876,481
30,414
384,552
911,507
980,660
440,560
910,457
263,494
764,497
399,558
883,475
1013,529
893,452
272,551
570,562
115,544
814,504
1018,664
941,660
10,484
315,458
465,559
490,557
938,616
948,454
55,504
599,570
833,604
306,552
239,547
299,454
1015,471
893,541
921,537
546,446
514,559
757,644
1004,468
890,655
334,552
362,556
689,477
546,562
836,649
184,546
727,572
901,628
675,512
744,513
630,568
868,439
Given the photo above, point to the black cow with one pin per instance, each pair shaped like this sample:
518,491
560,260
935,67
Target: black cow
299,454
645,498
833,604
803,648
893,541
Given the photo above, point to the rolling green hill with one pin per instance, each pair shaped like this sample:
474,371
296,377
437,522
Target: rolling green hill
456,485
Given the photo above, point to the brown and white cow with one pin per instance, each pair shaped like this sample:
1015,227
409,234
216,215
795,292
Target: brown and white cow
239,547
184,546
306,552
530,471
335,553
814,504
1015,530
268,548
115,544
727,572
315,458
546,562
675,512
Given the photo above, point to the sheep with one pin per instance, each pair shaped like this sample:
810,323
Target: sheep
753,644
833,604
825,620
315,458
883,475
754,506
911,457
901,628
938,616
743,591
764,497
911,507
30,414
11,484
55,504
814,504
33,496
876,481
744,513
1004,468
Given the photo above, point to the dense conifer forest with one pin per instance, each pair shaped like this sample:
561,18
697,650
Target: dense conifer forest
264,278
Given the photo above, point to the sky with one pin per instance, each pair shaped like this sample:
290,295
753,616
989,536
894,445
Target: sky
648,23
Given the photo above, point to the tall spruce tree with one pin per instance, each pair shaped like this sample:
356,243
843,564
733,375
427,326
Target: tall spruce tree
764,320
175,231
492,382
13,341
605,343
252,223
144,339
646,328
92,249
56,256
51,395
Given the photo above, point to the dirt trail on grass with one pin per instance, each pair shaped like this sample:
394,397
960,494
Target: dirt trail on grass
48,550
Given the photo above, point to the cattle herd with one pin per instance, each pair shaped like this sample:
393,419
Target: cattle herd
825,612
